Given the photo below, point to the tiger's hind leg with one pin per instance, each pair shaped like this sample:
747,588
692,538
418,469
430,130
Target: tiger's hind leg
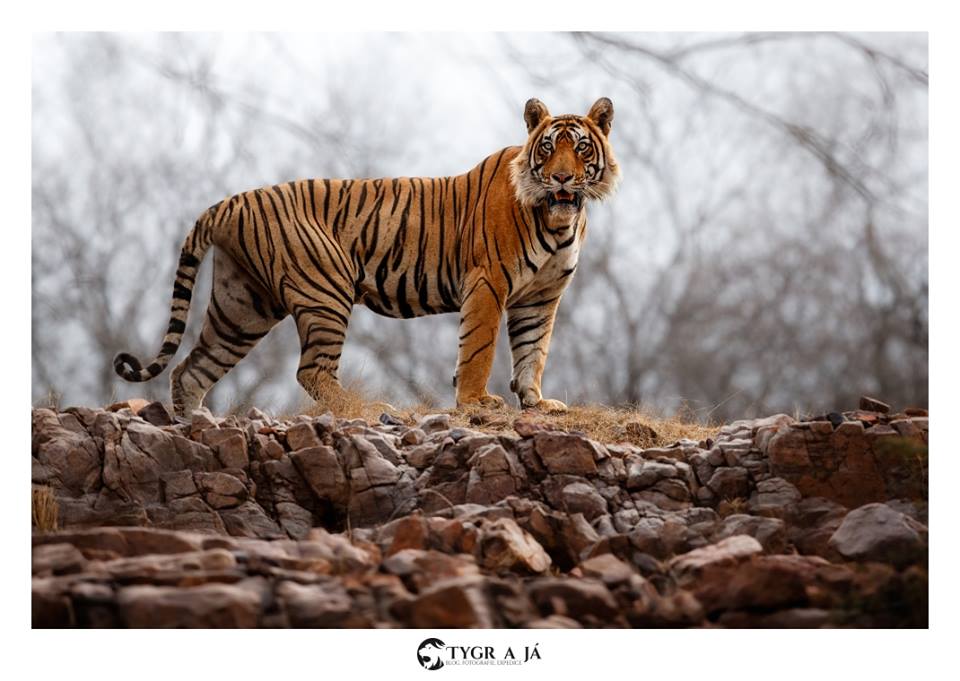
239,314
322,327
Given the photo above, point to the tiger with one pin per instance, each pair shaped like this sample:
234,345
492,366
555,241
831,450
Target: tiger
502,238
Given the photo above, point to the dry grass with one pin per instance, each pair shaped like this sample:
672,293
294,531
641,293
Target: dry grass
44,509
637,425
351,401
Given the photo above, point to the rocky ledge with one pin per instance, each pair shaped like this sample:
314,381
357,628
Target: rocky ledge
325,522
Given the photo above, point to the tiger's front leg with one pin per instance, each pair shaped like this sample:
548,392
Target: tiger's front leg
530,325
480,314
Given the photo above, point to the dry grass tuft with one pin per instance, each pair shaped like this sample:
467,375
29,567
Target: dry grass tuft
352,400
44,509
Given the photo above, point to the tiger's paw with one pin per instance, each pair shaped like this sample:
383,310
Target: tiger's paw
486,400
549,406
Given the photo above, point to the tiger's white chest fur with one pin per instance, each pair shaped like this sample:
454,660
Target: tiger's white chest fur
555,270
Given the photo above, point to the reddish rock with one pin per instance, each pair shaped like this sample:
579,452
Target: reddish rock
607,568
787,450
323,471
585,600
57,559
423,569
460,603
51,606
729,551
566,453
207,605
503,545
873,404
316,605
528,428
760,583
134,405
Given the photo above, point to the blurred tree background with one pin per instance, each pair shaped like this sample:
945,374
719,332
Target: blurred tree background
767,250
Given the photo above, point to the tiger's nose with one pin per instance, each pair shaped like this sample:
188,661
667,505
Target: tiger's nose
562,177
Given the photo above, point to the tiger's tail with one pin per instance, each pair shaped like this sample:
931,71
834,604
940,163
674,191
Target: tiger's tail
195,246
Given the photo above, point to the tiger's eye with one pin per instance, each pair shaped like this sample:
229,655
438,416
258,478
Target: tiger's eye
583,146
546,146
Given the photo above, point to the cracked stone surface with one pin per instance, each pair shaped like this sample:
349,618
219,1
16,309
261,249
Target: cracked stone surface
325,522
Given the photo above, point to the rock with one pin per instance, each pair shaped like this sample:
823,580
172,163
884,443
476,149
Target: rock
156,414
879,533
607,568
774,497
435,423
321,468
564,453
177,485
302,435
787,450
229,444
249,520
643,474
762,583
421,457
72,459
770,532
423,569
134,405
458,603
582,497
791,618
216,606
221,490
315,605
585,600
389,419
504,545
729,551
554,622
57,559
413,436
295,520
730,483
495,474
872,404
326,522
527,428
51,606
200,421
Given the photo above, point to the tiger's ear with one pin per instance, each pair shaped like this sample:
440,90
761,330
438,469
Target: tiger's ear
601,113
534,112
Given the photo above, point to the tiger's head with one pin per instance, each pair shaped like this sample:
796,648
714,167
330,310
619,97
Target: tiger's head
566,160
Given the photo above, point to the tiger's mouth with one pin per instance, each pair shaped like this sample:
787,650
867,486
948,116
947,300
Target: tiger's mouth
564,199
